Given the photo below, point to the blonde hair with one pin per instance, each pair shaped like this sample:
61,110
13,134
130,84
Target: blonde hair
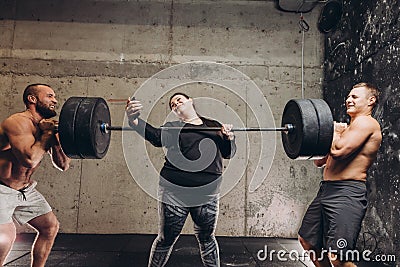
373,91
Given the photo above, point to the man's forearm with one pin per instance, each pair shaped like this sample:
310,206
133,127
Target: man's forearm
59,159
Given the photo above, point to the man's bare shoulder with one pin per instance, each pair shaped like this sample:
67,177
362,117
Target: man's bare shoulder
17,121
366,123
369,126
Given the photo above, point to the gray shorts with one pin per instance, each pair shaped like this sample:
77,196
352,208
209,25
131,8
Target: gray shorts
333,220
23,205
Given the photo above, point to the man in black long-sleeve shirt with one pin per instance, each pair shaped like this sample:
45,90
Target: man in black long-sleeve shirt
190,177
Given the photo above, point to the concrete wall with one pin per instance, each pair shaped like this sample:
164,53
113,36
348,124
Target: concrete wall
365,47
110,48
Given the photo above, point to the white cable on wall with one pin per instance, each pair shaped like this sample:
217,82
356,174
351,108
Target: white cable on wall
304,27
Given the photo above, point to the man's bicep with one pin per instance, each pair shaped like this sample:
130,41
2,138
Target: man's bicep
353,138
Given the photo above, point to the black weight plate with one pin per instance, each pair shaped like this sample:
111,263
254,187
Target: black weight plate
66,127
303,140
325,120
100,139
292,141
92,142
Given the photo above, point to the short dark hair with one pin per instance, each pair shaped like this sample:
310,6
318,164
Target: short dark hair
175,94
31,89
373,91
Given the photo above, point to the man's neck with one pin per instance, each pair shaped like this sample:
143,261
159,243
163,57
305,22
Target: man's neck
35,117
353,117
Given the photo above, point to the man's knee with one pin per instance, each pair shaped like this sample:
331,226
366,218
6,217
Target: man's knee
305,244
50,229
7,238
7,234
337,263
314,253
46,225
343,264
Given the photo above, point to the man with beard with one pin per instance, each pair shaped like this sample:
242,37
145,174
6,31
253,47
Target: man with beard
25,138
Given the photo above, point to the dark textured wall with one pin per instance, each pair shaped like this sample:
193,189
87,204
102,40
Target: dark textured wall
366,47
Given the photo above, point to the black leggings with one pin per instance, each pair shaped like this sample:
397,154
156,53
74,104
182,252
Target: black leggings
172,220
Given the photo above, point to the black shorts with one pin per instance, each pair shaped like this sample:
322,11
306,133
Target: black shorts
333,220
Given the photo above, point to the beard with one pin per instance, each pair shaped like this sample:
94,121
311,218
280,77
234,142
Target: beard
45,111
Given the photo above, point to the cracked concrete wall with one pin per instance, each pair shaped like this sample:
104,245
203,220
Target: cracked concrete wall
110,48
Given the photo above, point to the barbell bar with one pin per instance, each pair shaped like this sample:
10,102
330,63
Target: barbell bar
85,128
288,127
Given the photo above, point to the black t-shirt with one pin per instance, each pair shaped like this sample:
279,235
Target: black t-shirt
193,158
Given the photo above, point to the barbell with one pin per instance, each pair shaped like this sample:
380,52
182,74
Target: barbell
85,128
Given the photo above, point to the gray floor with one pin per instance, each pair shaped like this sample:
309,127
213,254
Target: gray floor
132,250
